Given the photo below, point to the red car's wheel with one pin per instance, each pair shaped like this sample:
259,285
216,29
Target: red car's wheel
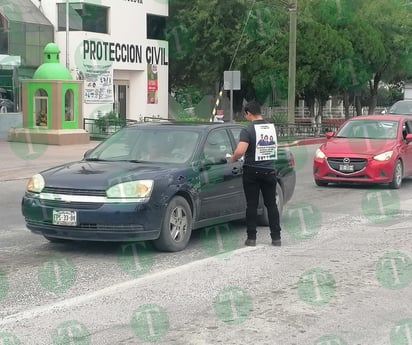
397,175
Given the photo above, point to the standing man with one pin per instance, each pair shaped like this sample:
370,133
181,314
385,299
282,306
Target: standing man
259,174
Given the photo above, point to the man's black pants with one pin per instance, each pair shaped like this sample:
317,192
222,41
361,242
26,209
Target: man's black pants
256,181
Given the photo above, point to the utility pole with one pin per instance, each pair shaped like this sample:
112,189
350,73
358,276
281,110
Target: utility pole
292,60
67,34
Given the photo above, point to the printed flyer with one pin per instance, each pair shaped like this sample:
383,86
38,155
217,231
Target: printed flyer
266,142
98,85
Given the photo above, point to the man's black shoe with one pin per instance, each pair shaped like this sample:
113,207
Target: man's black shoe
276,243
250,243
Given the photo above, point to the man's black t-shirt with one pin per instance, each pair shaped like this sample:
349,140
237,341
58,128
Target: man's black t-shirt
248,135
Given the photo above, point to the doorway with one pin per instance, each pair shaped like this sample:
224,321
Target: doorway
121,95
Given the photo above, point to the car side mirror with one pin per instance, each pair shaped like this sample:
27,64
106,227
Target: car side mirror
408,137
329,135
87,153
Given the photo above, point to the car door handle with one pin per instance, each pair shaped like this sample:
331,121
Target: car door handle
236,170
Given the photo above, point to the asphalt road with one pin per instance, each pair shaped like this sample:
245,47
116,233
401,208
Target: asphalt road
342,276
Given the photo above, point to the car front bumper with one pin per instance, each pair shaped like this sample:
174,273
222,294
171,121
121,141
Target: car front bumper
374,172
95,222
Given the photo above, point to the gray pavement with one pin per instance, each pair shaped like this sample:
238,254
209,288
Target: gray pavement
22,160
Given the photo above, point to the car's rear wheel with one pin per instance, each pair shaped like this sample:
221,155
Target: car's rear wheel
397,175
321,183
263,219
176,226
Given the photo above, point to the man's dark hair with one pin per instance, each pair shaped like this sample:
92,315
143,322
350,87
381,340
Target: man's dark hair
253,107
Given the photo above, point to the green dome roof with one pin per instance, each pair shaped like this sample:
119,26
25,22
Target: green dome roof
52,69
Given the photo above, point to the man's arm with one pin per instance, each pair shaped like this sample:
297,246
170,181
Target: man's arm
240,151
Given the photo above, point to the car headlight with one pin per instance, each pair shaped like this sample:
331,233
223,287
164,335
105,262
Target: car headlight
35,184
383,156
141,189
319,154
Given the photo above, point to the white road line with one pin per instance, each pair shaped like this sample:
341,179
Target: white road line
73,301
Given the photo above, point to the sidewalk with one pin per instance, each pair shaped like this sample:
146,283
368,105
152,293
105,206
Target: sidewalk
22,160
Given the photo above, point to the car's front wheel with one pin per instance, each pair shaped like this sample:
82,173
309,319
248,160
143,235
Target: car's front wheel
176,226
397,176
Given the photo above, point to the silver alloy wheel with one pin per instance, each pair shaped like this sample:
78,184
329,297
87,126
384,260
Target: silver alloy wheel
398,173
397,176
178,223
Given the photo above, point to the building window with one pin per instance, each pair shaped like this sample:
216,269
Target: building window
83,17
68,106
156,27
40,107
4,35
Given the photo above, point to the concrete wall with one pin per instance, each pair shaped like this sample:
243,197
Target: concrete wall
9,120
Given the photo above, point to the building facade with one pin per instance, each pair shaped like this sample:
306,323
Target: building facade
117,47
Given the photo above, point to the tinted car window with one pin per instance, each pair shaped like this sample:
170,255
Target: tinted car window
217,146
369,129
159,144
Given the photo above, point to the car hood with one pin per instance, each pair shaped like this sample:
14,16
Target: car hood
100,175
356,147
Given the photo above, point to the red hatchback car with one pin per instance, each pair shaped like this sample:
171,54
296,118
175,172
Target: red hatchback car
373,149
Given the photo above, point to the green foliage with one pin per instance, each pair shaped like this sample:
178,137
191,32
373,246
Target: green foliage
343,47
280,118
109,119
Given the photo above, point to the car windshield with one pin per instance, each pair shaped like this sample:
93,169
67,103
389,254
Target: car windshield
369,129
151,144
401,108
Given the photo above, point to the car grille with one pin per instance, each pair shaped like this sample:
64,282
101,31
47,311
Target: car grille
77,205
71,191
358,164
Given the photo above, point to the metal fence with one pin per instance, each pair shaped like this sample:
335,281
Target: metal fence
100,130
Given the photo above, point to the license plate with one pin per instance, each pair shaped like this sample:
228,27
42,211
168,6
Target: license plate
68,218
346,167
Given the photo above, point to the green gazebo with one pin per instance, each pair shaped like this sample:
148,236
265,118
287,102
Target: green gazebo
52,105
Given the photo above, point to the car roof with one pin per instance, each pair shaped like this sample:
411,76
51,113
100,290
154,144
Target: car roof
380,117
